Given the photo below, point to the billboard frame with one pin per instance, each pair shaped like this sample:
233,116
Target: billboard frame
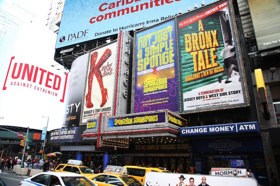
236,39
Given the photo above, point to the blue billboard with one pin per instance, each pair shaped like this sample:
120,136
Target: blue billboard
87,20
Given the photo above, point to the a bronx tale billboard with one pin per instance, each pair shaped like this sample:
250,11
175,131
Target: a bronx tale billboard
212,74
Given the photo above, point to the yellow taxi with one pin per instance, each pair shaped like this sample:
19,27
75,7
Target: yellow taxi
114,175
140,172
75,166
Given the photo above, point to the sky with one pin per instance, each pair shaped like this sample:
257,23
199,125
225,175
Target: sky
33,44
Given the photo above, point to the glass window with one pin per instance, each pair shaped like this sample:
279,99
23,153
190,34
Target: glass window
42,178
59,167
113,180
54,181
136,172
100,178
75,170
130,181
68,169
86,170
76,181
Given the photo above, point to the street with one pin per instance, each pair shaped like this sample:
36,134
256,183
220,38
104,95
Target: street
11,179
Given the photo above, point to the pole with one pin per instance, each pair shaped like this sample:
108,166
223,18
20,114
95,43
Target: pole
2,153
22,158
45,137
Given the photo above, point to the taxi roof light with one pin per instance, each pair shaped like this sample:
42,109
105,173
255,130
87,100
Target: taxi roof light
74,162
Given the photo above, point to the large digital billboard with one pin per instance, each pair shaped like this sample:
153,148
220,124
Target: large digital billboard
100,82
211,76
86,20
265,17
155,69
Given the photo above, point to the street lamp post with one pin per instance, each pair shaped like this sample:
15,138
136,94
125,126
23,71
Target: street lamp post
45,136
25,143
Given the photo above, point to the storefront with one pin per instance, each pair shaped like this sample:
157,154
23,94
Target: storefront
233,145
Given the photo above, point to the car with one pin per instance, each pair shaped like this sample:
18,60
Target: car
57,179
107,178
2,183
140,172
74,166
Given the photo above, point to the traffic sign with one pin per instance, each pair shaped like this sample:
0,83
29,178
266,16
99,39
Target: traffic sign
20,135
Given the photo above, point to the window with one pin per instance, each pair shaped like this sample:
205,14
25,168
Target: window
86,170
59,167
75,170
136,172
130,181
68,169
77,181
100,178
42,178
114,180
54,181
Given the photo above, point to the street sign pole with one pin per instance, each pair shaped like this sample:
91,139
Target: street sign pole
45,137
22,159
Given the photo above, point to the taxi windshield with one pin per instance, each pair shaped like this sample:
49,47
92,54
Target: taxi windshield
76,181
130,181
86,170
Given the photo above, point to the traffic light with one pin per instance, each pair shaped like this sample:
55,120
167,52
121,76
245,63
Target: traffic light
22,141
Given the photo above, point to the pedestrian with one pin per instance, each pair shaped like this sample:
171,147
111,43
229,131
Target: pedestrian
273,178
46,166
25,164
98,169
1,166
41,163
250,174
18,161
91,165
8,163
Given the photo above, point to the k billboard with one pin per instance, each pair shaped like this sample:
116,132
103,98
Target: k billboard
87,20
211,65
155,75
100,82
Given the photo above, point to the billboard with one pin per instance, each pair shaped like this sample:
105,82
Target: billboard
83,21
211,74
100,82
266,24
30,86
74,92
64,135
167,179
155,75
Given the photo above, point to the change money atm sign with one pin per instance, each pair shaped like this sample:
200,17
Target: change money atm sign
211,77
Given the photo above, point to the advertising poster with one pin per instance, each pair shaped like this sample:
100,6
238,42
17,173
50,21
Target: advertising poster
210,67
175,179
100,82
64,135
75,90
155,69
97,19
266,23
32,84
